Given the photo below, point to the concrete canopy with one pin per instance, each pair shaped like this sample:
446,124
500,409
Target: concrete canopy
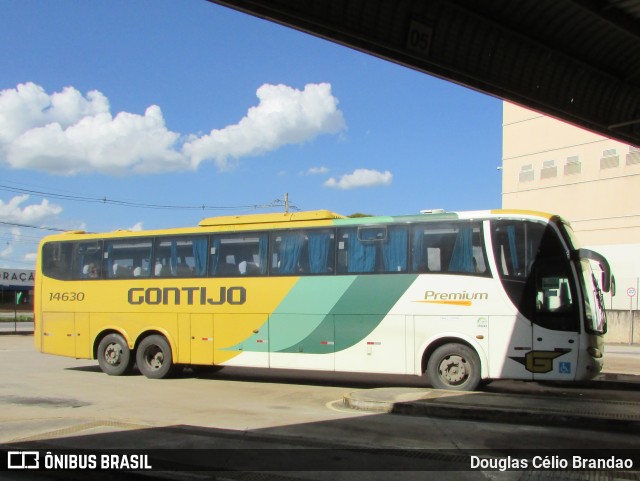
576,60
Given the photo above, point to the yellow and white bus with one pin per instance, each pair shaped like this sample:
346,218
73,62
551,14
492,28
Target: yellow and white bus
459,297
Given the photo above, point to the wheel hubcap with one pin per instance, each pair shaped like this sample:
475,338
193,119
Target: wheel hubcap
154,357
112,354
454,369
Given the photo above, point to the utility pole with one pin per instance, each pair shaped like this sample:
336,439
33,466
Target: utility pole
286,203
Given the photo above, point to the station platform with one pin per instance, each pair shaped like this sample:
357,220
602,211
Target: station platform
611,401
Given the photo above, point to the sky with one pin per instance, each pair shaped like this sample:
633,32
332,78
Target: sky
158,113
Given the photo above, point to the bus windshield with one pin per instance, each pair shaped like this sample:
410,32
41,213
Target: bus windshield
595,316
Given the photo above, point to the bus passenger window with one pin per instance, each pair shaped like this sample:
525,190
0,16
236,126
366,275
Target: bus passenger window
394,250
442,247
56,260
87,258
238,255
354,255
321,251
370,249
181,257
302,252
286,253
124,258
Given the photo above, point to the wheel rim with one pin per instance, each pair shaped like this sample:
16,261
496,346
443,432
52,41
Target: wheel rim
113,354
154,357
454,370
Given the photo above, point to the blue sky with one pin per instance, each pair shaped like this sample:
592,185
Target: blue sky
185,103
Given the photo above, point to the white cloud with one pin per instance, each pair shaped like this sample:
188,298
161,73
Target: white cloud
68,133
13,211
6,252
316,171
136,227
284,116
360,178
11,240
29,107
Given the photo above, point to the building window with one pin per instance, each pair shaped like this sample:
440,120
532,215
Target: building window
526,173
610,159
549,169
572,165
633,157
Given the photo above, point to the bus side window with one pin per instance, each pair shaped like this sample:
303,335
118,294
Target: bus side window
238,255
302,252
56,260
287,249
87,258
394,249
180,257
448,247
355,255
369,249
126,258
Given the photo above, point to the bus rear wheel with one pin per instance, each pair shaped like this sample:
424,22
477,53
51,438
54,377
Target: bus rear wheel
114,356
154,358
454,367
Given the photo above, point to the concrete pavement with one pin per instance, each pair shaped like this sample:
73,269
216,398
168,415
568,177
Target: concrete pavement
611,401
499,407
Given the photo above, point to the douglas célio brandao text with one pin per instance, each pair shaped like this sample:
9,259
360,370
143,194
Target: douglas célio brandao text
549,462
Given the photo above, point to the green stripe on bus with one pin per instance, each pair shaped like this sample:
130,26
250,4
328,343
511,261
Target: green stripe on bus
304,309
356,314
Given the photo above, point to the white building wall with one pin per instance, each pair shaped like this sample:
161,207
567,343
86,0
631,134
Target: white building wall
590,180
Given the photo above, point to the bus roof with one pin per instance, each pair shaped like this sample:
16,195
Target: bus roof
270,218
315,218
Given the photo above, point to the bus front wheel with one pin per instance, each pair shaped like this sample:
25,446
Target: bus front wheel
114,356
454,367
154,357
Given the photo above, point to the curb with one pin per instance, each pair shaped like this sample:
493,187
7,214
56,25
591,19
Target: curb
502,408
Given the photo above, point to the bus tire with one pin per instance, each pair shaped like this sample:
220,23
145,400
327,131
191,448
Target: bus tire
454,367
154,358
114,356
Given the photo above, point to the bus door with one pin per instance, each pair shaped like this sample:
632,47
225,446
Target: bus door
556,340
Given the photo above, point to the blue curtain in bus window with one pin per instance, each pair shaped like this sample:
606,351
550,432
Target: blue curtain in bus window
263,254
215,257
290,250
418,263
319,244
394,251
511,234
362,256
462,257
200,256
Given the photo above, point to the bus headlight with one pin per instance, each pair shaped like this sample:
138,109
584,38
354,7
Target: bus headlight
595,352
